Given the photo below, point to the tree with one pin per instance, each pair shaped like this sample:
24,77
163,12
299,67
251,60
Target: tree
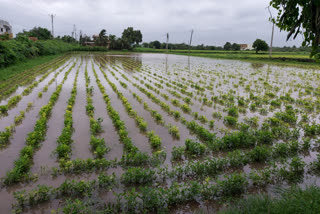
39,32
102,39
112,41
300,17
235,47
145,45
132,36
227,46
69,39
260,45
155,44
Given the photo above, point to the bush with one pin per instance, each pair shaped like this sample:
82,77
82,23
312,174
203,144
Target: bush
20,49
229,120
154,140
194,148
174,131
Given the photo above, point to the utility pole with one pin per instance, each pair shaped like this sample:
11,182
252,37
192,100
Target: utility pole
74,32
80,38
271,18
190,40
52,16
167,41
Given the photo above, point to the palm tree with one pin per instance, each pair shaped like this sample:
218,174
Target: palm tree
103,39
112,41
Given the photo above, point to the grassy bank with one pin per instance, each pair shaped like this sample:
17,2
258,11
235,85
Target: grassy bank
294,200
298,59
12,70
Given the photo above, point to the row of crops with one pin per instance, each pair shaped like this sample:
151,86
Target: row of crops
154,133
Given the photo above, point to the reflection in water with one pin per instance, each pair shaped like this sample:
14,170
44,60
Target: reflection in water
257,65
189,63
166,63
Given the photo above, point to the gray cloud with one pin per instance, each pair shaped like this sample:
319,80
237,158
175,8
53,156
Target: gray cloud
214,21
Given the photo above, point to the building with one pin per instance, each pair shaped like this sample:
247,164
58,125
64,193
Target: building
33,38
5,27
245,47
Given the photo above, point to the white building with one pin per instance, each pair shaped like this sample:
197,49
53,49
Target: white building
5,27
246,47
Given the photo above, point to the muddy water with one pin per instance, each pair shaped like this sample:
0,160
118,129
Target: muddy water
81,124
6,194
139,139
168,142
21,88
109,132
198,70
17,142
45,157
32,97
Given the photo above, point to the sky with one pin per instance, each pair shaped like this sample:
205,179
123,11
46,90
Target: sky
214,22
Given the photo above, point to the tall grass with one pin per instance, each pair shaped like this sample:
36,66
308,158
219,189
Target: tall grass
290,201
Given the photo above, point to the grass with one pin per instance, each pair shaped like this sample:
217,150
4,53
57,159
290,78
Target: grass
293,200
10,71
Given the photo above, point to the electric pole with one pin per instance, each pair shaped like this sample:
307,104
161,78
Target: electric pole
190,40
167,41
52,16
271,18
74,32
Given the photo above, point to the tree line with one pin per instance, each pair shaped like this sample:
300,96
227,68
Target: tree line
22,47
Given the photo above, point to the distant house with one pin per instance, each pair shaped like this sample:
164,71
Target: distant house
95,37
5,27
33,38
245,47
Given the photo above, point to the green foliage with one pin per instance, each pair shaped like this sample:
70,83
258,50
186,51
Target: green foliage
177,153
132,36
231,121
39,32
17,50
174,131
194,148
137,175
300,17
260,45
186,108
4,109
154,140
294,200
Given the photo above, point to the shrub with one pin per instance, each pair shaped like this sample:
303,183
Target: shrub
233,112
174,131
194,148
137,175
186,108
259,153
154,140
229,120
177,153
4,109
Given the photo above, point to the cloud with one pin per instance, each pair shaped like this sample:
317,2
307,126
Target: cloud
214,21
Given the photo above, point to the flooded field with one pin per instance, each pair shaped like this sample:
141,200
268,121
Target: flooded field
155,133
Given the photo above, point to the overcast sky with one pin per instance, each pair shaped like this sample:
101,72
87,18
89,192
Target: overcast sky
214,21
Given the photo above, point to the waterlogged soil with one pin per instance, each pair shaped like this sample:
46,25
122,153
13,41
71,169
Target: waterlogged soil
32,97
45,156
226,79
109,132
139,139
17,142
81,124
